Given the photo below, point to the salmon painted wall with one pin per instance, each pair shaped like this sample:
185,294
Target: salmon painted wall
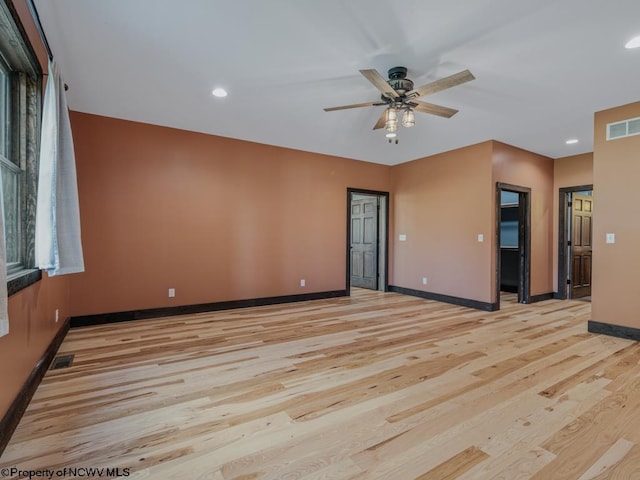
572,171
32,326
441,203
32,323
616,177
525,169
215,218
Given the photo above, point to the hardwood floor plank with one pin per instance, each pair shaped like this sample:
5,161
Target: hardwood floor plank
627,468
592,372
456,465
574,458
608,461
376,385
517,464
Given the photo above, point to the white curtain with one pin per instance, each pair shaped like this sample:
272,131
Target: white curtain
4,316
58,243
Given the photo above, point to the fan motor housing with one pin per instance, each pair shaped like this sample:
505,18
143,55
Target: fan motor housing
399,81
401,85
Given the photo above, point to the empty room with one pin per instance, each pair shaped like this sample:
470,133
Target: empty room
361,239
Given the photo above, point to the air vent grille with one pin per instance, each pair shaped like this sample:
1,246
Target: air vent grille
63,361
626,128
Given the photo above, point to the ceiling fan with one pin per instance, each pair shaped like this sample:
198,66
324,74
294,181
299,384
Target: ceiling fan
400,96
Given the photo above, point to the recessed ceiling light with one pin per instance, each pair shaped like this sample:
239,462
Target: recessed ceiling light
633,43
219,92
572,141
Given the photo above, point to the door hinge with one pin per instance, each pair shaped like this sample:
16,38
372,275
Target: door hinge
568,281
569,204
569,243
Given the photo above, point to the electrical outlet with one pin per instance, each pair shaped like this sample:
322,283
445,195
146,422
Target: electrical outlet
303,282
172,292
424,280
57,315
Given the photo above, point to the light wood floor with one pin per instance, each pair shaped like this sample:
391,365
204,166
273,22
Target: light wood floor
373,386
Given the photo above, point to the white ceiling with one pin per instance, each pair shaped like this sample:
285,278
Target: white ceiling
542,67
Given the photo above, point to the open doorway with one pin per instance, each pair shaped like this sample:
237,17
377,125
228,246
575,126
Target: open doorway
367,239
575,242
513,226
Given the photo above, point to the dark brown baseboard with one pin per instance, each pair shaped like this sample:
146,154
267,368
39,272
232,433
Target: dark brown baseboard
104,318
542,297
614,330
463,302
10,421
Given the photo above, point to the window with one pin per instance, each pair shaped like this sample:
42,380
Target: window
4,101
20,103
626,128
10,174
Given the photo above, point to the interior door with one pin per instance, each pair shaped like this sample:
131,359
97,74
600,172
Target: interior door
581,245
364,242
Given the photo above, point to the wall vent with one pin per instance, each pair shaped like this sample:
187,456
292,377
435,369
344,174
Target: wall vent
626,128
63,361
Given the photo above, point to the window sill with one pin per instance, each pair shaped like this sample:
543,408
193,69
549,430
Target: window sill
22,279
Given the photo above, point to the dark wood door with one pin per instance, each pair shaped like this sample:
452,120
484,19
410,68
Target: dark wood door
581,245
364,243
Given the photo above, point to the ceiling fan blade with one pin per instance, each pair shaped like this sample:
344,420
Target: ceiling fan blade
433,109
380,83
381,121
355,105
442,84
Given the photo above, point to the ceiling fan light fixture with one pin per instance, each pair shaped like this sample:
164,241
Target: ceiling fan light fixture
399,96
408,118
391,126
391,115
